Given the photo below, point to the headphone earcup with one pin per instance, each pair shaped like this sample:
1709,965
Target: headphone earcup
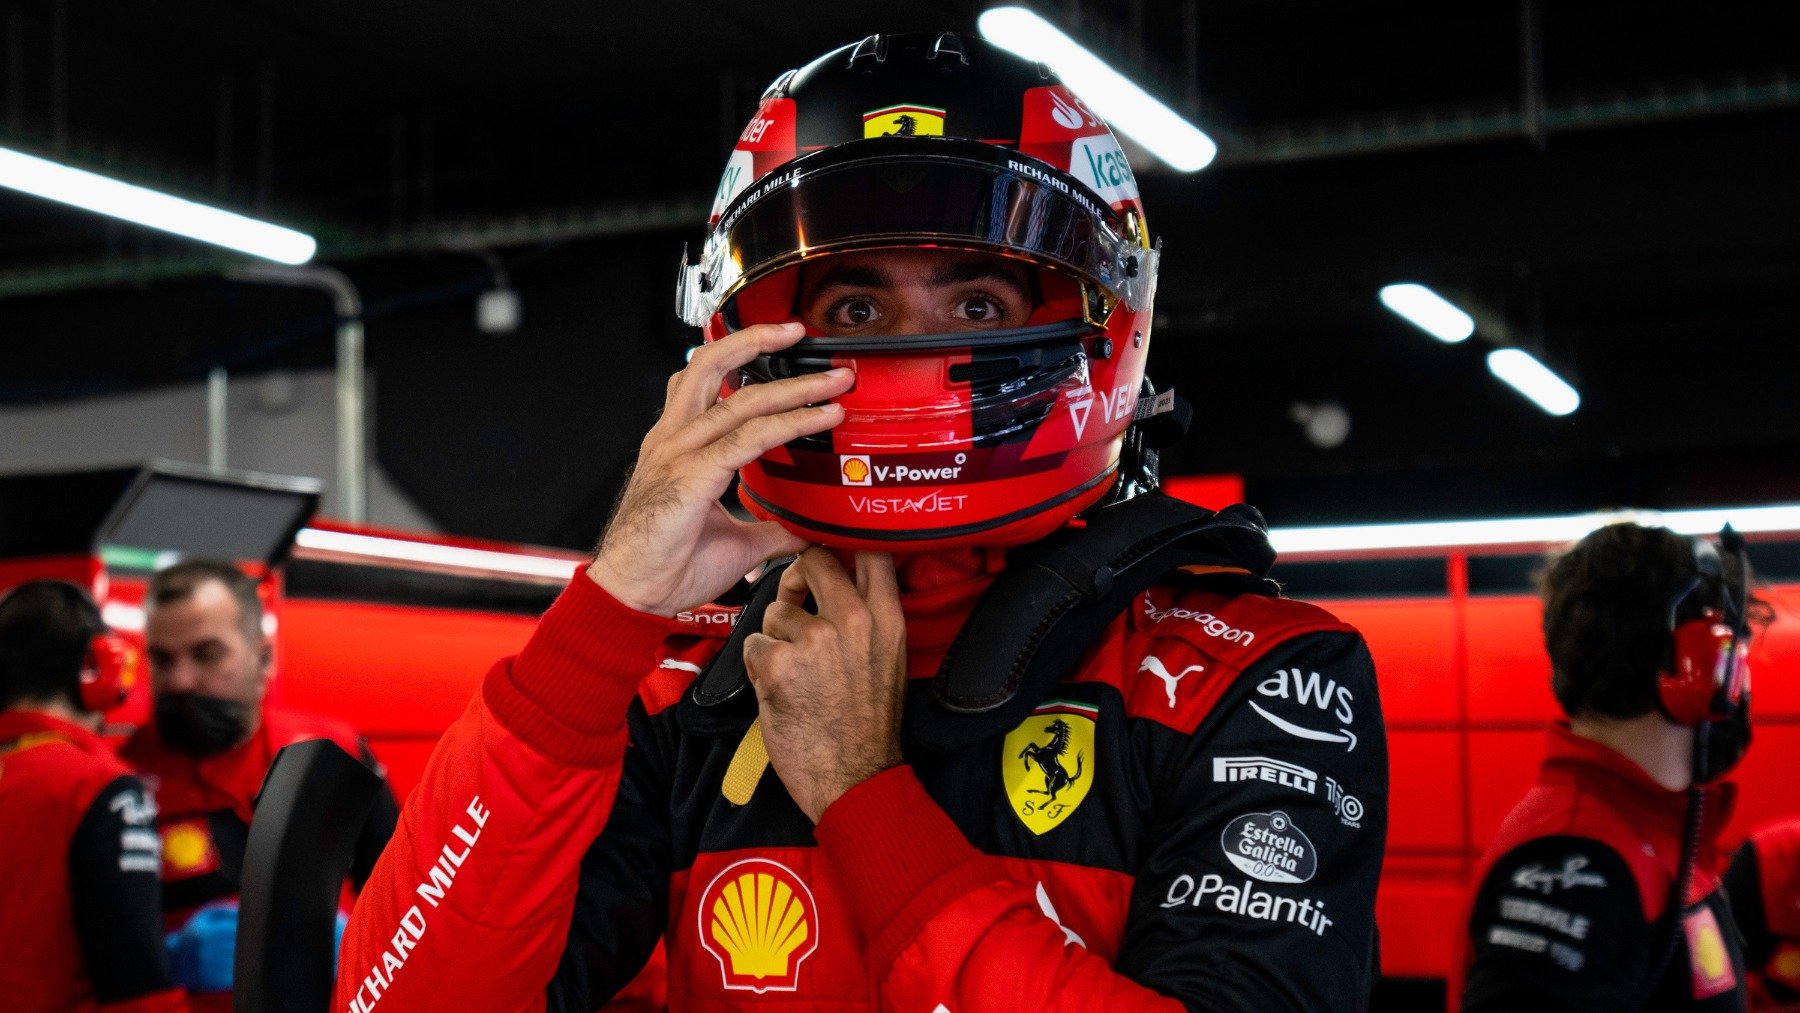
107,673
1687,688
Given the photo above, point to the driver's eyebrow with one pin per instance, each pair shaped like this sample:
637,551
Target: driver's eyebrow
853,276
961,272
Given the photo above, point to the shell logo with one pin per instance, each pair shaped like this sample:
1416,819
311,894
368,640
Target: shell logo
1707,959
758,919
187,850
855,468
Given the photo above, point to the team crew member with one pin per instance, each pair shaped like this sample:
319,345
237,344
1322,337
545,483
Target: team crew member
207,751
1172,792
79,895
1588,898
1764,884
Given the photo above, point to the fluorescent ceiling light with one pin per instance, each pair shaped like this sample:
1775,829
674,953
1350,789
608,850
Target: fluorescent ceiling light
1127,107
93,192
1524,531
454,557
1429,312
1534,380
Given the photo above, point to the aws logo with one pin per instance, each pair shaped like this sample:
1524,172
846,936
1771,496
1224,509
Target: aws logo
758,919
904,121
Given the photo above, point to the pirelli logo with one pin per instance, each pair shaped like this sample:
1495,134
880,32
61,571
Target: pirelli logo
1227,769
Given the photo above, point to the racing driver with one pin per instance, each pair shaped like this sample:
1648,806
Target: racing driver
925,292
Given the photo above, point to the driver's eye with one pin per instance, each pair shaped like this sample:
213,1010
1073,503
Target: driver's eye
854,312
979,308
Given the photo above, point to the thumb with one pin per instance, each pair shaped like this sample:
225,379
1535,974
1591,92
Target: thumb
768,540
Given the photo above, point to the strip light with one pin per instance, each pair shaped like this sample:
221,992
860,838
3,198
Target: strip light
1428,311
1524,531
1534,380
1114,97
93,192
455,557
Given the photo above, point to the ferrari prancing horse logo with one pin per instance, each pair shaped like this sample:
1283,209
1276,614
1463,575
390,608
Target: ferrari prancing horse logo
1047,763
904,121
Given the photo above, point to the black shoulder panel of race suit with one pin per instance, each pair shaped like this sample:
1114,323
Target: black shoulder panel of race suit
115,869
1559,924
1263,847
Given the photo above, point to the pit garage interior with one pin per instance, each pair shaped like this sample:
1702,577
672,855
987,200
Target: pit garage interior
501,191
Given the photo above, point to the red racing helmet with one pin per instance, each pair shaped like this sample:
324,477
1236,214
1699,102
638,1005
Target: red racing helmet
992,437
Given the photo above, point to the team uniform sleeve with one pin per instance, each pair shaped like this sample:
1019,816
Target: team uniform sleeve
622,902
947,927
1260,893
115,868
1558,924
469,905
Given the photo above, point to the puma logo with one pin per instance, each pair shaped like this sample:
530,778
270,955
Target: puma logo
1154,666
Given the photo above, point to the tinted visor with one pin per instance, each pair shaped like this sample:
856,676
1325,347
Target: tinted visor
915,191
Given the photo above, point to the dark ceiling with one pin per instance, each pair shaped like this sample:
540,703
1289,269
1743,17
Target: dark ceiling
1615,182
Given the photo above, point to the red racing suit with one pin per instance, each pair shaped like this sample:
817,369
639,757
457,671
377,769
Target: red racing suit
80,908
1764,884
1572,907
1197,816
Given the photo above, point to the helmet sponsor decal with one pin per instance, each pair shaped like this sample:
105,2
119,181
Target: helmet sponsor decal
740,169
1268,846
1098,162
904,121
854,469
758,919
930,503
767,141
913,469
1070,112
1045,763
1078,412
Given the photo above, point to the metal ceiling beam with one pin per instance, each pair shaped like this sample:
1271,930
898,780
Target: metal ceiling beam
1335,139
475,234
1365,135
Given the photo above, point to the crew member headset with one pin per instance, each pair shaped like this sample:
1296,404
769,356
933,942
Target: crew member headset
1706,686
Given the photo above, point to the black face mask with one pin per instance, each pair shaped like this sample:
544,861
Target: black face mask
200,725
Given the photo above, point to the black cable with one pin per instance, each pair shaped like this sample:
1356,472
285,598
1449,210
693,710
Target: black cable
1684,873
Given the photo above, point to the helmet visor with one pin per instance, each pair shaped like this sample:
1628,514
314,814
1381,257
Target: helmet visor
915,191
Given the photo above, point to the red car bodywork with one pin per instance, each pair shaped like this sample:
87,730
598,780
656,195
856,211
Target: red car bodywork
1464,682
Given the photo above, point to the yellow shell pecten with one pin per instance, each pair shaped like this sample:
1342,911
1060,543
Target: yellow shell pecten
760,923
